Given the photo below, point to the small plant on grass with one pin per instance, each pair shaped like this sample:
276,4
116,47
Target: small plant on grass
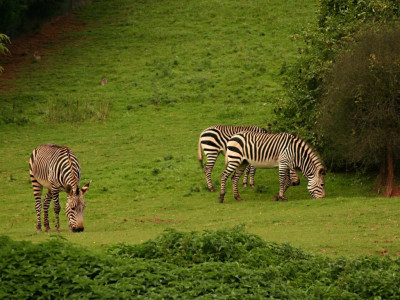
261,189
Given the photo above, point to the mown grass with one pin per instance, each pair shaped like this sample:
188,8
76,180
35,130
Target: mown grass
173,69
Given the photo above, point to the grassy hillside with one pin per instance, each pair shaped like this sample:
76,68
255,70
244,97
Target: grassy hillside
173,68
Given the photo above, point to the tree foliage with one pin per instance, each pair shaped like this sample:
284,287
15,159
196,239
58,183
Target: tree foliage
359,113
337,23
18,16
3,49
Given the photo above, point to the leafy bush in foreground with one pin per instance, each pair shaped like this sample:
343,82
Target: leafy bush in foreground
223,264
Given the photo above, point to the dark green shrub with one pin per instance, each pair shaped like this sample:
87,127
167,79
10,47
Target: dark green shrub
359,112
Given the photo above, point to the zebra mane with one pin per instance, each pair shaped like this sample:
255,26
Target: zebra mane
308,155
71,166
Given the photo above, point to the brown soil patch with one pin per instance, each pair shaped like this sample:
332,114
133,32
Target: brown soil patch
33,46
395,191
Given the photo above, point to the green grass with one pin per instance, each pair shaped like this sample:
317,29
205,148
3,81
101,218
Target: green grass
173,69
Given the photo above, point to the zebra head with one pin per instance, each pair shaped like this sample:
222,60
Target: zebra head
294,178
316,184
75,207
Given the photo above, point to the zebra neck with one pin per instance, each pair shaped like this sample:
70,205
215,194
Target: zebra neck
306,159
71,173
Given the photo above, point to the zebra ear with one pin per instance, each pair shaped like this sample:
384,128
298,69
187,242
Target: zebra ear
85,188
68,189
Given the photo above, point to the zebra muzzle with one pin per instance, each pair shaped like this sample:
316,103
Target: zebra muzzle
80,229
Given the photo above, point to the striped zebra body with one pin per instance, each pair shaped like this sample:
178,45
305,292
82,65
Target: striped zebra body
57,169
267,150
213,141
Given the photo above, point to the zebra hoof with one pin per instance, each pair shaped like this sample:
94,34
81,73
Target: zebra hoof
221,199
239,199
48,229
39,230
244,184
277,198
212,190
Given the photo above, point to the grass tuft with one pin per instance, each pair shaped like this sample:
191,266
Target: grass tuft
76,110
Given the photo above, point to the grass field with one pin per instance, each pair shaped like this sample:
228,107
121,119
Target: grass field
173,69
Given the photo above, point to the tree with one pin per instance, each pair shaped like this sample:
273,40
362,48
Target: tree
3,40
337,23
360,109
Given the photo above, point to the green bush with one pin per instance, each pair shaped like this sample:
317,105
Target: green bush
183,265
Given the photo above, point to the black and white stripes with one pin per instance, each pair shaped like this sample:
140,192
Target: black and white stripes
213,141
266,150
57,169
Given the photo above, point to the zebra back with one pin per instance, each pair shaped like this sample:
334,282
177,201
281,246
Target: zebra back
216,137
55,167
289,149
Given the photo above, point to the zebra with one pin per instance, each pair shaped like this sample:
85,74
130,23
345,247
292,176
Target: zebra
57,169
213,141
268,150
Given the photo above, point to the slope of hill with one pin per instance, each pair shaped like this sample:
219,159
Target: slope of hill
173,68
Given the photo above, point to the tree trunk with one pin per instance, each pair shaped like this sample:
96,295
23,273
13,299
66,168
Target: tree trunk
390,172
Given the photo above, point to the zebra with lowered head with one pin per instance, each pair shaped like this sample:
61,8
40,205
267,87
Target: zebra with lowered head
213,141
268,150
57,169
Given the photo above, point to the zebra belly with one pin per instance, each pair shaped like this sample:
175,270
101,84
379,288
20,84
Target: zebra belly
266,164
44,183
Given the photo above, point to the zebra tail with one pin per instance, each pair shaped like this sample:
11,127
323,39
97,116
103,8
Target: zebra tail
200,154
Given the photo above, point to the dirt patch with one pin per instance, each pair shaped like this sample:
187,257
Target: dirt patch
35,45
395,191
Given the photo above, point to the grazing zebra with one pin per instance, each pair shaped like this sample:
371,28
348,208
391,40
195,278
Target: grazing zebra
213,140
57,169
267,150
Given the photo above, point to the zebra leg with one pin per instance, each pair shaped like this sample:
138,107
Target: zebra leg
235,180
46,204
37,193
246,175
224,177
57,210
231,167
284,183
211,158
38,206
252,174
